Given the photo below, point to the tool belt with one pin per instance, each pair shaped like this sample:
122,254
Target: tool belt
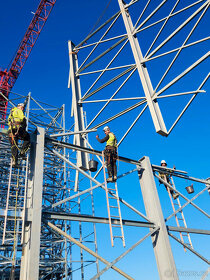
110,151
17,123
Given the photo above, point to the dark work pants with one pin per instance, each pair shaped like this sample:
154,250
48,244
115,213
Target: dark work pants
110,154
22,135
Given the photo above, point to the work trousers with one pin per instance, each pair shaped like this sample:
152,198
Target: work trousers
14,135
110,154
167,178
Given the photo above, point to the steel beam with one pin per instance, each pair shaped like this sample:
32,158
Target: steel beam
161,244
52,215
31,238
77,110
143,73
88,250
88,150
188,230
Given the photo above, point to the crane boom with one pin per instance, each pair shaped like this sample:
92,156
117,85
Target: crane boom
9,76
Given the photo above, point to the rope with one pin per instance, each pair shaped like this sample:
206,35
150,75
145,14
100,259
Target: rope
100,18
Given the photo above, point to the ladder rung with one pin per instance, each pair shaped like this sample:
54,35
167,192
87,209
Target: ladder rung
117,236
113,206
112,197
117,226
13,207
113,216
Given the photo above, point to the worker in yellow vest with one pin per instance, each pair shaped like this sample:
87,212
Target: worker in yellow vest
17,130
166,177
110,153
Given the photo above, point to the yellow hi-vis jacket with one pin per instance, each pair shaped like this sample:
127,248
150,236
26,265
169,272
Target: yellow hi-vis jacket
112,141
16,117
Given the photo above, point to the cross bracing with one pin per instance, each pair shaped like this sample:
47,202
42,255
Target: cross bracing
140,58
68,247
69,219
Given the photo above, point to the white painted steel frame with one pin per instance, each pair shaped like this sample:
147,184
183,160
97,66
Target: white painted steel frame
152,95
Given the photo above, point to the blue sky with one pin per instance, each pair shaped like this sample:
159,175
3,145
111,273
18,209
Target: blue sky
187,147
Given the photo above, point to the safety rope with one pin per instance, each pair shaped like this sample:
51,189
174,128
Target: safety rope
15,144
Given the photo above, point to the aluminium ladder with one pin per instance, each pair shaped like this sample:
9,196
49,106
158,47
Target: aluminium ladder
179,217
113,208
15,205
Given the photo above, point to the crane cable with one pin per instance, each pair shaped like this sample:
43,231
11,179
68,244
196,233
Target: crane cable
100,18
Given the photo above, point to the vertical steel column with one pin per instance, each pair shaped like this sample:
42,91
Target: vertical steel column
142,70
76,109
31,241
164,257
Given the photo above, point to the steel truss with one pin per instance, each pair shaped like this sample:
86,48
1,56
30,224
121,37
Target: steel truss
56,234
141,58
116,76
48,180
56,229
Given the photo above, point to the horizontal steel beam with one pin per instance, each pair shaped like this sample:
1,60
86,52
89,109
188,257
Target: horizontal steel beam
50,215
189,230
88,150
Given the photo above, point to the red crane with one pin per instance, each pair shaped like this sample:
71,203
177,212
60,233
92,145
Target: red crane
9,76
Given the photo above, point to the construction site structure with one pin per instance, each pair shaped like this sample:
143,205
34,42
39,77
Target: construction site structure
48,231
51,226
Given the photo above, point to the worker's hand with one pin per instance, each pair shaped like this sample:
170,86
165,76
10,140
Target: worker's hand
97,136
174,167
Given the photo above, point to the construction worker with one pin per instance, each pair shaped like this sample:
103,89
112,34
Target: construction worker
110,153
17,130
166,177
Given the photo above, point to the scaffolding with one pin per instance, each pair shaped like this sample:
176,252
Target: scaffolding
56,254
44,217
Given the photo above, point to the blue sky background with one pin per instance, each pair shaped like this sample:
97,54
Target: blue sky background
187,147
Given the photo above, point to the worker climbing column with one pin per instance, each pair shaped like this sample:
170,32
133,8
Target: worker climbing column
164,257
31,240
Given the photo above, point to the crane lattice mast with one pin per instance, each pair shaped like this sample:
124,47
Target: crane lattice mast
9,76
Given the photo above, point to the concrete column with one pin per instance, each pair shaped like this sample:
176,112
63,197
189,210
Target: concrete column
31,243
162,248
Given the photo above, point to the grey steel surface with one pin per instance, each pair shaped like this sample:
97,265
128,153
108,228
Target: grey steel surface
31,247
161,244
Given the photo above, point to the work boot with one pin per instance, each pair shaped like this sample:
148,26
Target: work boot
115,172
175,195
23,155
109,179
115,178
14,162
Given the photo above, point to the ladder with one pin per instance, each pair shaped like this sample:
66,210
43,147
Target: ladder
15,205
179,217
113,208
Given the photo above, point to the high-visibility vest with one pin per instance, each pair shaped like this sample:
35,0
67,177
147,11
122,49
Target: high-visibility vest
16,117
112,141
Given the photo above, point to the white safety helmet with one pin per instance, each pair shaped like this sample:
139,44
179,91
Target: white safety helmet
106,128
20,104
163,161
